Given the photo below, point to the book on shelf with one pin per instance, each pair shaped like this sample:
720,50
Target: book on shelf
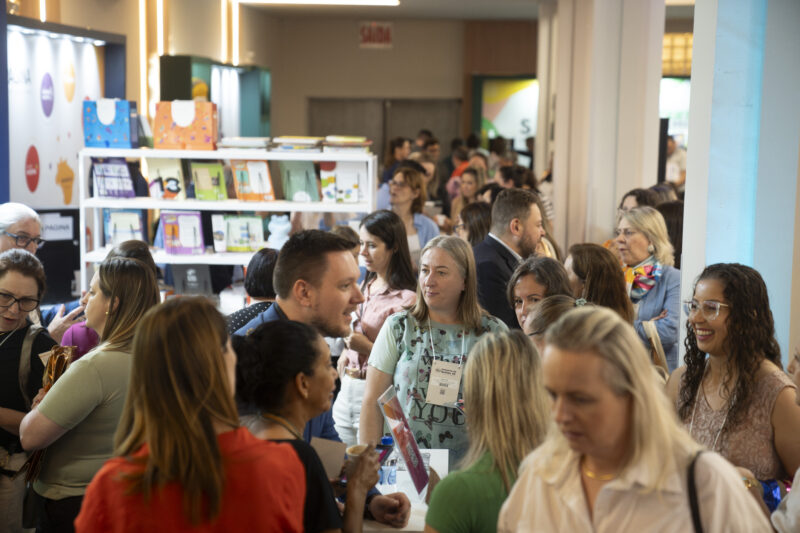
346,144
237,233
112,178
244,142
342,181
297,144
183,232
209,181
120,225
299,181
253,181
165,179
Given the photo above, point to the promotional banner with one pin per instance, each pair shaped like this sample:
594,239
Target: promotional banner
510,109
49,76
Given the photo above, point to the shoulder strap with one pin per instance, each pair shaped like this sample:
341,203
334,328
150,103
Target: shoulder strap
25,355
693,503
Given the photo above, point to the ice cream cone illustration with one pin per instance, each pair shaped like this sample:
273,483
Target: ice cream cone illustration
65,177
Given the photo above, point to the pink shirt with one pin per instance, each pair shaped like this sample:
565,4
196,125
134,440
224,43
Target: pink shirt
372,313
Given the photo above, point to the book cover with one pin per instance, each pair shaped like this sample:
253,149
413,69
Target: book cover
120,225
404,439
299,181
209,181
165,179
112,178
219,232
350,175
244,233
327,176
253,181
183,232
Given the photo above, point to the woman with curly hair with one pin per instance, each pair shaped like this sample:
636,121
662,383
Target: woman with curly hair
732,394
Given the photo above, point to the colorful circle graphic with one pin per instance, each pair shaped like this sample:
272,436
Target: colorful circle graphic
47,95
69,81
32,168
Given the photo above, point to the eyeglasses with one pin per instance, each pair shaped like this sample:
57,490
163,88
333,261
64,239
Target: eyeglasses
23,240
25,304
458,227
401,184
709,308
628,233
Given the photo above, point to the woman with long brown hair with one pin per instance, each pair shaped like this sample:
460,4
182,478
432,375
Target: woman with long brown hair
77,417
595,275
182,460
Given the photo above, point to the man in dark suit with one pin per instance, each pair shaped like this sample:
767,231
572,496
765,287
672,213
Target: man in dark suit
515,231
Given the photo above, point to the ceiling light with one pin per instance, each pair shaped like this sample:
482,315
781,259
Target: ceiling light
362,3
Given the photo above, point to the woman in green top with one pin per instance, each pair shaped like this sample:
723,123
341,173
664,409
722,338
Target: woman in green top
78,416
507,411
430,340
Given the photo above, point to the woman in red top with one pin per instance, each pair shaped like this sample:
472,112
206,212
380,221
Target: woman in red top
183,463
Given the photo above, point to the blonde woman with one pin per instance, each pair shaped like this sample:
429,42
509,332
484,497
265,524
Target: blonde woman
442,327
653,283
77,418
619,459
183,463
507,410
472,179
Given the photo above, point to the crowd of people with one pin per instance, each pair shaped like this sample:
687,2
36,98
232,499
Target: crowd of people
562,402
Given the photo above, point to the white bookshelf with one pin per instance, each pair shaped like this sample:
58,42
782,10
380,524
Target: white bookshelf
92,207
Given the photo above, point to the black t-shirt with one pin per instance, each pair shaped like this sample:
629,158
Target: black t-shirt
10,395
320,511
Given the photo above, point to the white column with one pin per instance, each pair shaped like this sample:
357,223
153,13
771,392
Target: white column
606,126
545,74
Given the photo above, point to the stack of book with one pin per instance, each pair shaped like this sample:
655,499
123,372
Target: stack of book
343,143
244,142
297,144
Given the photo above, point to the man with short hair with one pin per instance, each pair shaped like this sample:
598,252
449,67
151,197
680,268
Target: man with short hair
433,149
316,283
422,138
515,232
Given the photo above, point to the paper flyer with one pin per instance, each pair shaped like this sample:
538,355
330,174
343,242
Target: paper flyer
403,437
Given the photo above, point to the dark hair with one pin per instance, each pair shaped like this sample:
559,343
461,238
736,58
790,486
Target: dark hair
411,164
258,281
643,197
269,358
511,204
134,249
673,217
514,174
478,153
427,134
603,279
304,256
394,144
473,140
665,192
430,142
456,143
347,233
388,227
477,218
25,263
495,189
750,339
547,312
498,145
460,153
415,180
546,271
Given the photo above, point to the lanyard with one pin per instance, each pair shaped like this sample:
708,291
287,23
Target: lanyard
463,342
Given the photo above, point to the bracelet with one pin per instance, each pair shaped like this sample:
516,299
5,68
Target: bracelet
367,513
772,494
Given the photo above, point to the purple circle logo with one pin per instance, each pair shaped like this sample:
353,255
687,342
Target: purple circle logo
47,95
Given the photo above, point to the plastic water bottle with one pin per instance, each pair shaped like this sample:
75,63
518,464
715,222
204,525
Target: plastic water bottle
388,475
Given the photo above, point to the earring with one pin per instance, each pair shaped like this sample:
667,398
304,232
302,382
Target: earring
106,312
651,249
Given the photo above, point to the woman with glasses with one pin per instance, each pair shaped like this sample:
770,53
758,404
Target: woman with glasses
653,283
618,459
407,197
20,227
430,341
732,394
76,419
22,284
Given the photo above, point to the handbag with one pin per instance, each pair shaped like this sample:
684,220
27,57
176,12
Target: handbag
694,505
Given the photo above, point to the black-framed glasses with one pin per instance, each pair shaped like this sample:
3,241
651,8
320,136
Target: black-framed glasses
23,240
25,304
709,308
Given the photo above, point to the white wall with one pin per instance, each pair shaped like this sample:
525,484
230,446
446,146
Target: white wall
321,58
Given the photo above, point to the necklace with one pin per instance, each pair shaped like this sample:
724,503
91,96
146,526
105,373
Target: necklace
694,410
596,476
281,421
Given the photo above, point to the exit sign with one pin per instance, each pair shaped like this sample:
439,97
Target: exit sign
375,35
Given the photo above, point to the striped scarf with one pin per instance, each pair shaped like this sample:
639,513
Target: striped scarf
643,277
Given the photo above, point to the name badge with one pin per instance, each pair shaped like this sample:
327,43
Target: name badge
444,383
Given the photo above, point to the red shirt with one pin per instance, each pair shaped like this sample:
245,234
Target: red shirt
264,491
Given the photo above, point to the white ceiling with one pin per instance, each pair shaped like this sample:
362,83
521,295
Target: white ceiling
420,9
